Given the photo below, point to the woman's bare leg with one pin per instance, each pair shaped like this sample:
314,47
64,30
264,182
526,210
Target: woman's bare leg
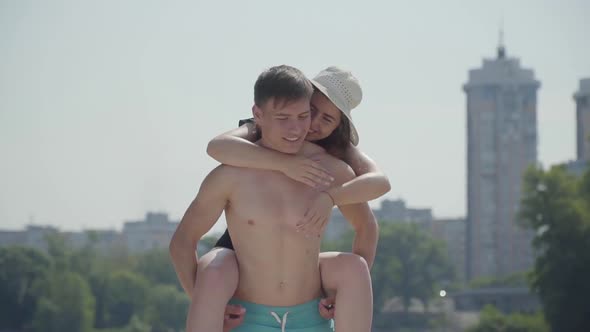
215,284
347,276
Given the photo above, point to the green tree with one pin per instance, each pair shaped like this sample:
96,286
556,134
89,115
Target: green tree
92,265
409,263
557,205
167,309
86,259
135,325
59,250
492,320
157,267
125,294
98,281
65,304
435,270
20,269
518,279
95,267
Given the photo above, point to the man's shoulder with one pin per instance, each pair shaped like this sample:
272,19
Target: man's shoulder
234,173
222,179
226,170
310,148
224,173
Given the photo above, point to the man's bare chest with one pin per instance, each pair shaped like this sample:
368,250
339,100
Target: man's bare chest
270,199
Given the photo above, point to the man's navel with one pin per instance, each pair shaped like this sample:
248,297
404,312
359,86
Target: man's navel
251,222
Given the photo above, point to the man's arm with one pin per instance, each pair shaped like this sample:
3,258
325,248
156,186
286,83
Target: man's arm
198,219
360,217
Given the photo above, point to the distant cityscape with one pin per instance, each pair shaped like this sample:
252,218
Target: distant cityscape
153,232
502,141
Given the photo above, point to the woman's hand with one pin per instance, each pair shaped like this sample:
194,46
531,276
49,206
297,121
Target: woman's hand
307,171
317,215
233,317
327,307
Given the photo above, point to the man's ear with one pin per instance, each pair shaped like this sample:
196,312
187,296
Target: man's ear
257,114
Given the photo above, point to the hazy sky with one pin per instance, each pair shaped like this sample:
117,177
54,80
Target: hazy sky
106,107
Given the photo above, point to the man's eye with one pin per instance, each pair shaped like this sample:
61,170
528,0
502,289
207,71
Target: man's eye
328,120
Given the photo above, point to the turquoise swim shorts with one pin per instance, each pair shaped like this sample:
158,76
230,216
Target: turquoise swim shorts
299,318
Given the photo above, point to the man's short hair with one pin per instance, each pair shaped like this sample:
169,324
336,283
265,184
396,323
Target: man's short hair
283,83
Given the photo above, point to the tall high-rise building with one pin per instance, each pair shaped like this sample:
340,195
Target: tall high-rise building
451,231
501,144
582,98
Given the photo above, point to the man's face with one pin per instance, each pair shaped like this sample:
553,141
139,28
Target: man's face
283,125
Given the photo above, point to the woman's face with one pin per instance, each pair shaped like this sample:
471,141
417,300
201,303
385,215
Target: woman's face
325,117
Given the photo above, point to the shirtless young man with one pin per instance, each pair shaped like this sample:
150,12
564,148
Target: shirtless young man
279,280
